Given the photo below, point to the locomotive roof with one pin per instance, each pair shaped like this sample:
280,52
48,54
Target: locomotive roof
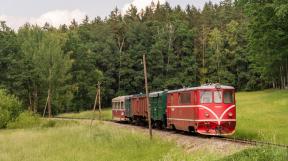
155,94
152,94
206,86
120,98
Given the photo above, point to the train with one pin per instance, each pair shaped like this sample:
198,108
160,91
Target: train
209,109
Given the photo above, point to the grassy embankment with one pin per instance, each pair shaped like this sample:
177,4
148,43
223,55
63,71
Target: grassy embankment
263,115
77,142
106,114
73,141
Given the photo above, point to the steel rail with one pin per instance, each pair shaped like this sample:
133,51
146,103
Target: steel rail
236,140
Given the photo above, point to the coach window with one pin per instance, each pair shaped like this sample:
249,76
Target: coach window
122,103
228,97
206,97
185,98
217,96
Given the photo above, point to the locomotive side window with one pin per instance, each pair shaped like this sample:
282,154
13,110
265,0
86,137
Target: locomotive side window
185,98
122,105
206,97
228,97
217,97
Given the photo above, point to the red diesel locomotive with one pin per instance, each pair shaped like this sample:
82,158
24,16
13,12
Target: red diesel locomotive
207,109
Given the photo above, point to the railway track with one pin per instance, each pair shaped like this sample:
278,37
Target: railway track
235,140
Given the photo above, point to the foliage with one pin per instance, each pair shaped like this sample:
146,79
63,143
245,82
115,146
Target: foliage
267,37
25,120
10,108
240,43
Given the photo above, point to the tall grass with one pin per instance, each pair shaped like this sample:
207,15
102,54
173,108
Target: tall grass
80,143
106,114
263,115
259,154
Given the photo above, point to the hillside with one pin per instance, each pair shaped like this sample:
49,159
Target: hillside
263,115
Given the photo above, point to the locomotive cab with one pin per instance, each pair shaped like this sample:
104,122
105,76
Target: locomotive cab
217,114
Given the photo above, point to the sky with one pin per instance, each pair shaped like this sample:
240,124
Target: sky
56,12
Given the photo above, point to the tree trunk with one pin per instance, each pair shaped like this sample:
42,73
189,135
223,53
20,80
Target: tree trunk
120,46
170,30
281,78
49,103
287,72
218,62
35,100
203,48
30,102
49,94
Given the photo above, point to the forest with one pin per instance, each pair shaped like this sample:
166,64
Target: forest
242,43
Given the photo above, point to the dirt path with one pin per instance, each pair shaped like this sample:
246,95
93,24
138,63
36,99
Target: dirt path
188,142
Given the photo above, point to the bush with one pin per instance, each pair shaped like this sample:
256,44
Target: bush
10,108
50,123
25,120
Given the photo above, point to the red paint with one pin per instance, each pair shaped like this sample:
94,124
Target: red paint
118,114
205,118
139,106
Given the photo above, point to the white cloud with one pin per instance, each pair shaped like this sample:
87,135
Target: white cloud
54,18
140,4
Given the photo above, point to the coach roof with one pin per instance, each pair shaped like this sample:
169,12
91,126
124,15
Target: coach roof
205,86
120,98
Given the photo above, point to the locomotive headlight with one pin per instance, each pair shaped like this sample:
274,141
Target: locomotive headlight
206,114
230,114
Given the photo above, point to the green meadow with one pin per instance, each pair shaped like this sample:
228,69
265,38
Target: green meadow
74,141
106,114
263,115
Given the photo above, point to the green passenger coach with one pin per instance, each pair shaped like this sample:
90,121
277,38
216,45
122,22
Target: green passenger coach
158,108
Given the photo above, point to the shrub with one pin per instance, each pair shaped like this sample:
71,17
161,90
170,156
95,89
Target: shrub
25,120
50,123
10,108
4,117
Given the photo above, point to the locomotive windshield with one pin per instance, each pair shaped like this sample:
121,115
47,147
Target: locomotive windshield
206,97
217,96
228,97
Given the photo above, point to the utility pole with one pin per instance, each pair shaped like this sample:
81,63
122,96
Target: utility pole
97,98
147,97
